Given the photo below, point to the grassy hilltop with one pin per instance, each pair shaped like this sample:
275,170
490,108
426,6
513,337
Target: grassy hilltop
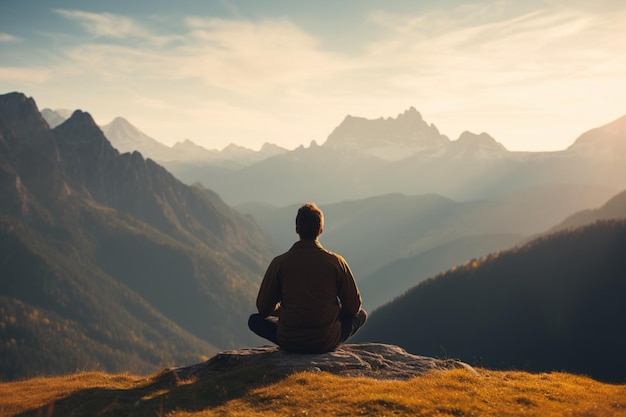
263,391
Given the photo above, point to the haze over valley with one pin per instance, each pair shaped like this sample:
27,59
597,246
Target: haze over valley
396,188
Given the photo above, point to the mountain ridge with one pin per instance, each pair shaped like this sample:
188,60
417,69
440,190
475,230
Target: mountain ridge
179,266
606,141
366,157
554,303
390,139
352,164
615,208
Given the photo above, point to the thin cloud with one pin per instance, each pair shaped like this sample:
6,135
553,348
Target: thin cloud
104,24
258,55
550,31
542,46
24,75
240,56
8,38
112,26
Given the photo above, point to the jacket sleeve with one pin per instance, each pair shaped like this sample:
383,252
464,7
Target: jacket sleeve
348,291
269,292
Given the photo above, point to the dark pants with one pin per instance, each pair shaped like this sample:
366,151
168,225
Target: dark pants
266,327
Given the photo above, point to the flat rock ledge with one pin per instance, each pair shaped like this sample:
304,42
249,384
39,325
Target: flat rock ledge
371,360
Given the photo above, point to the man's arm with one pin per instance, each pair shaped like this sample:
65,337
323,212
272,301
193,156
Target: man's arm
348,291
269,292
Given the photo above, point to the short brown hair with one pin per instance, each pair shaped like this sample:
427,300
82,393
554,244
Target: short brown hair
309,221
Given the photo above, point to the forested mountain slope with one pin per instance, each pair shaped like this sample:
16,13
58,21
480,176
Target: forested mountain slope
556,303
127,263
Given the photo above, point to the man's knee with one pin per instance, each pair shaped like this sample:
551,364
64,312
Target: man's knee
264,327
253,321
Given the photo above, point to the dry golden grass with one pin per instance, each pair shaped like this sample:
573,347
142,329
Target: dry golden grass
447,393
439,393
42,393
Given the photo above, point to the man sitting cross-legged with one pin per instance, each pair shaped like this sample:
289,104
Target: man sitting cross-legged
308,301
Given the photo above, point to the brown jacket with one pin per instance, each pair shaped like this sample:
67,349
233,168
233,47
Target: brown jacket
312,286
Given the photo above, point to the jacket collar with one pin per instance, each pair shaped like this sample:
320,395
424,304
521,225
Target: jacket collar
307,243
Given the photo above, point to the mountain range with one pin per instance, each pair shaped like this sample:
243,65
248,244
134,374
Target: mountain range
413,159
369,157
107,259
127,138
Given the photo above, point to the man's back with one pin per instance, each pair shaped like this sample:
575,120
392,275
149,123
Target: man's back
309,281
308,300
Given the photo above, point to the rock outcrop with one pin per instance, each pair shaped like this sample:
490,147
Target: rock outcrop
372,360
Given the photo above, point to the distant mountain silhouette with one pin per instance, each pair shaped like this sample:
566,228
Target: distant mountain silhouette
608,141
396,277
367,157
555,303
127,138
615,208
377,232
55,117
363,158
128,264
388,139
182,155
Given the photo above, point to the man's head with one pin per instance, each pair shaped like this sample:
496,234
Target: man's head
309,221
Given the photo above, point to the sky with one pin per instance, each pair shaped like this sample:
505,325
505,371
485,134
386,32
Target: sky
533,74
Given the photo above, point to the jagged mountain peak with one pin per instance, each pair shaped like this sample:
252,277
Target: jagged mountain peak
121,122
126,137
56,117
79,116
85,152
13,100
19,114
79,130
411,115
472,146
121,126
187,144
483,139
388,139
53,118
22,126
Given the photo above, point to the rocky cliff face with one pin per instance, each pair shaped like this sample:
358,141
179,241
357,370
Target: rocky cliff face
22,126
29,157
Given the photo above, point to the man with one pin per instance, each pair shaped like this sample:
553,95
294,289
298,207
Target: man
308,301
